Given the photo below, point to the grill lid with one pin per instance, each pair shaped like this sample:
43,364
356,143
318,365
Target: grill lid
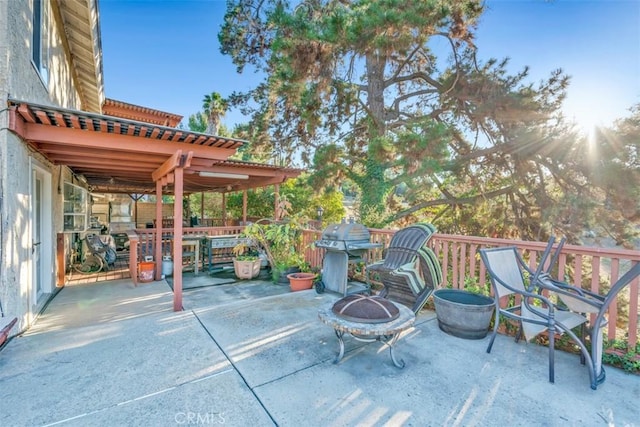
366,309
346,231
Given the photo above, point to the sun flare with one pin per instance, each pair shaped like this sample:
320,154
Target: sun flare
586,120
589,110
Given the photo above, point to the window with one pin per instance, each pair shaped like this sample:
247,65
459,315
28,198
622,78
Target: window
40,42
75,208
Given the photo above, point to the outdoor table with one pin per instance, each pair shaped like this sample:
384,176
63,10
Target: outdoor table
386,332
193,241
226,241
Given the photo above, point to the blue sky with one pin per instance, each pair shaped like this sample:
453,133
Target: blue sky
164,54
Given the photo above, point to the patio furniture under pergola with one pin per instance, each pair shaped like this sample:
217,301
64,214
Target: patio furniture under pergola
120,155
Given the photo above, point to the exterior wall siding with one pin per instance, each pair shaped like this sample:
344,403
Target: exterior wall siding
20,80
16,265
4,54
24,81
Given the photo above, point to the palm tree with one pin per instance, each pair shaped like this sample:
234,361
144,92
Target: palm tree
198,122
215,107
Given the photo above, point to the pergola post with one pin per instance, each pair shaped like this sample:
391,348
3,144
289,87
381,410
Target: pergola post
276,197
244,207
202,206
158,237
224,209
172,171
177,240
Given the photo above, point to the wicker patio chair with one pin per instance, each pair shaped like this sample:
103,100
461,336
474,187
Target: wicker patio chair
410,270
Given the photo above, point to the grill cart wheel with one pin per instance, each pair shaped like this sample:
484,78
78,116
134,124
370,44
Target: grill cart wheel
319,287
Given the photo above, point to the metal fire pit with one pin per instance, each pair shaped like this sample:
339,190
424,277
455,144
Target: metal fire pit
344,243
366,309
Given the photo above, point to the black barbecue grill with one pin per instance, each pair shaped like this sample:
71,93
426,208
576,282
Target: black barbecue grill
344,243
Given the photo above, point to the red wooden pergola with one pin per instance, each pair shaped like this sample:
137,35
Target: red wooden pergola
120,155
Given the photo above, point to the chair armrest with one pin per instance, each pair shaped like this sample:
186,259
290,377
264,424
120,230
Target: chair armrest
547,282
375,266
576,299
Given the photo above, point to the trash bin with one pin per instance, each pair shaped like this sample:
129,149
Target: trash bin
146,270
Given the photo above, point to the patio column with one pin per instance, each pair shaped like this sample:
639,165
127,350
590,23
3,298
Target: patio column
171,172
158,236
224,209
244,207
276,197
177,241
202,206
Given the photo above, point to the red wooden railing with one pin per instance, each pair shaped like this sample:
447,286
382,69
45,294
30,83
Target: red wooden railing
142,242
590,267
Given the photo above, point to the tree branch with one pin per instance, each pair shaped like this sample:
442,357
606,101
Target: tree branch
454,201
396,102
405,61
418,75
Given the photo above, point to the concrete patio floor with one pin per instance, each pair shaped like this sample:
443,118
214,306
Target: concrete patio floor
255,354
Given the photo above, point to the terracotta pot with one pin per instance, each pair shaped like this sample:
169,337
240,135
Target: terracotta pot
301,281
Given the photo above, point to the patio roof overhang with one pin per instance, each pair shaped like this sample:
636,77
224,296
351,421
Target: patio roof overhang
117,155
82,42
125,110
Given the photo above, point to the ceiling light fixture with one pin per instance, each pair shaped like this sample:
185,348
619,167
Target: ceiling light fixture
206,174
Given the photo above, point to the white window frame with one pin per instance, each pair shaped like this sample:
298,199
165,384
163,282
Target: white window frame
75,209
40,40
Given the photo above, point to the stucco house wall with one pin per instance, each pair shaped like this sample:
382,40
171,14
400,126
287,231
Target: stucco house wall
20,80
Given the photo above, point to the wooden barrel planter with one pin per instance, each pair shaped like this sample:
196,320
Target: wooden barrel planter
462,313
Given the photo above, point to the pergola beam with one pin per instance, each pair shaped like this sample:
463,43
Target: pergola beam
125,143
177,160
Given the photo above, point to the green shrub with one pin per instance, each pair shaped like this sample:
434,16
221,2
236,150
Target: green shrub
617,353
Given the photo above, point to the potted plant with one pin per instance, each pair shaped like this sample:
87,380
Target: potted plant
246,262
302,280
280,241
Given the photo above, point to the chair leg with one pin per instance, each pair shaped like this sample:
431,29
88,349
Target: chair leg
519,333
599,374
496,323
582,335
552,333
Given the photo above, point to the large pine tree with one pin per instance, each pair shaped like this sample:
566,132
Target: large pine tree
390,94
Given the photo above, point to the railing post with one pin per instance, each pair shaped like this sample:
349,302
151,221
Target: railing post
134,241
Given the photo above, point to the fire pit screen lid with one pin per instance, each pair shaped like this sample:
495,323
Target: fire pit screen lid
366,309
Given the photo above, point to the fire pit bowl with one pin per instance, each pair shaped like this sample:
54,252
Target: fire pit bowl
463,314
366,309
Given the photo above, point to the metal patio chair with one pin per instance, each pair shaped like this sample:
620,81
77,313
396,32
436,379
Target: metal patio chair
580,300
410,270
535,313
